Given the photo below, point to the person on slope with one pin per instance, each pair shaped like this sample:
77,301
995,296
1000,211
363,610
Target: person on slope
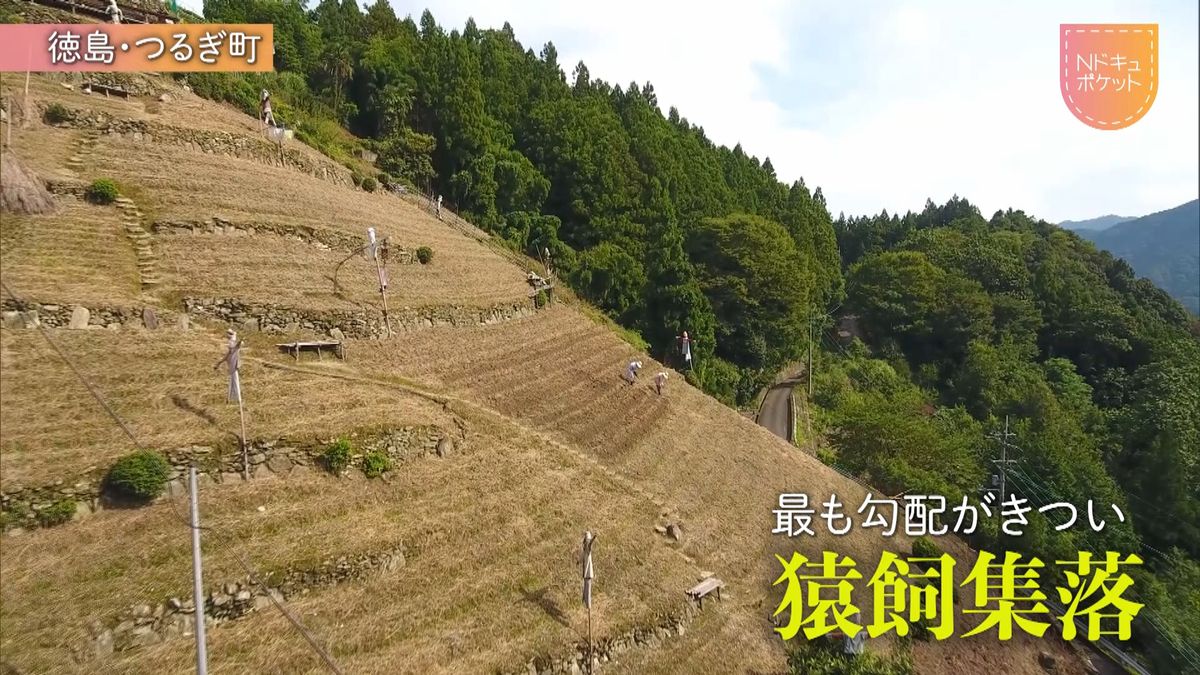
660,380
631,371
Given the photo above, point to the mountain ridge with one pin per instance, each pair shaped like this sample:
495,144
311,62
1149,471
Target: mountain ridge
1164,247
1098,223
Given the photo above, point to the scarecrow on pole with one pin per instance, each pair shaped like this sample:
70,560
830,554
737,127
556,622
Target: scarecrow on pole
685,348
233,357
377,251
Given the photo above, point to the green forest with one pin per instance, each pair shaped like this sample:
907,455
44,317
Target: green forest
964,320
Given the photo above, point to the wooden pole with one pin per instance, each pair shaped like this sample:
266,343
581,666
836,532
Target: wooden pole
382,293
245,453
589,664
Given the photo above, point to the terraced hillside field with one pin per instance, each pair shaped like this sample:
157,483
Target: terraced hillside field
508,434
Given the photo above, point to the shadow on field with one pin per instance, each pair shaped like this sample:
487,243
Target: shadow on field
547,605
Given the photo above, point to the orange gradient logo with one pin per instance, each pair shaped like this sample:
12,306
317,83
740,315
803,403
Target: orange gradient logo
1108,72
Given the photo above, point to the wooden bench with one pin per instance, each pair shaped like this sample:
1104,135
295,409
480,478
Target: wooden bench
706,587
294,348
106,89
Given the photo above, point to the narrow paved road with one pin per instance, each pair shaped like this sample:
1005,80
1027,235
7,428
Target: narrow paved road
776,409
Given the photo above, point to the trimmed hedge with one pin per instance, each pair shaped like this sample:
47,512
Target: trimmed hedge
336,457
375,464
425,255
139,477
103,191
56,113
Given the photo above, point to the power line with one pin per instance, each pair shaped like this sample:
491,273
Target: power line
1181,651
229,537
1004,463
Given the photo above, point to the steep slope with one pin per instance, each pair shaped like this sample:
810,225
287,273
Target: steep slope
460,560
1164,247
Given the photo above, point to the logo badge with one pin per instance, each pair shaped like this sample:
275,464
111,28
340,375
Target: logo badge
1108,72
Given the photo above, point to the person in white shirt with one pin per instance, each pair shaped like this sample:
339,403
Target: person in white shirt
631,371
659,380
114,12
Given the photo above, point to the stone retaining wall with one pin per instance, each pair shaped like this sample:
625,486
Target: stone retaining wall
210,142
358,324
606,649
143,625
324,239
21,504
33,314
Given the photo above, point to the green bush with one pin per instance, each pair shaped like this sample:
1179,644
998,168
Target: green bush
541,299
385,179
922,547
57,513
56,113
425,255
369,184
14,516
356,178
139,476
376,463
337,456
102,191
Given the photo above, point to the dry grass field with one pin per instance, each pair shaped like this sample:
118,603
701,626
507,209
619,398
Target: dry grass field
162,383
77,255
46,150
556,443
275,269
486,532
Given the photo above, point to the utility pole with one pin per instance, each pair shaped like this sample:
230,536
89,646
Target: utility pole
811,320
1004,462
197,581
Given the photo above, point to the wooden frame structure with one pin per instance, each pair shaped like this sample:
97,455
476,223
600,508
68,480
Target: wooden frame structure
294,348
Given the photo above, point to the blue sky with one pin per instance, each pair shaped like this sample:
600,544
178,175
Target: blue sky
885,104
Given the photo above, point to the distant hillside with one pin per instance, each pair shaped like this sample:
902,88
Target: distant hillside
1094,224
1163,247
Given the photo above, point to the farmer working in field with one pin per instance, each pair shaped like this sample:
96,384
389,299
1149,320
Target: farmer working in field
659,380
631,371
